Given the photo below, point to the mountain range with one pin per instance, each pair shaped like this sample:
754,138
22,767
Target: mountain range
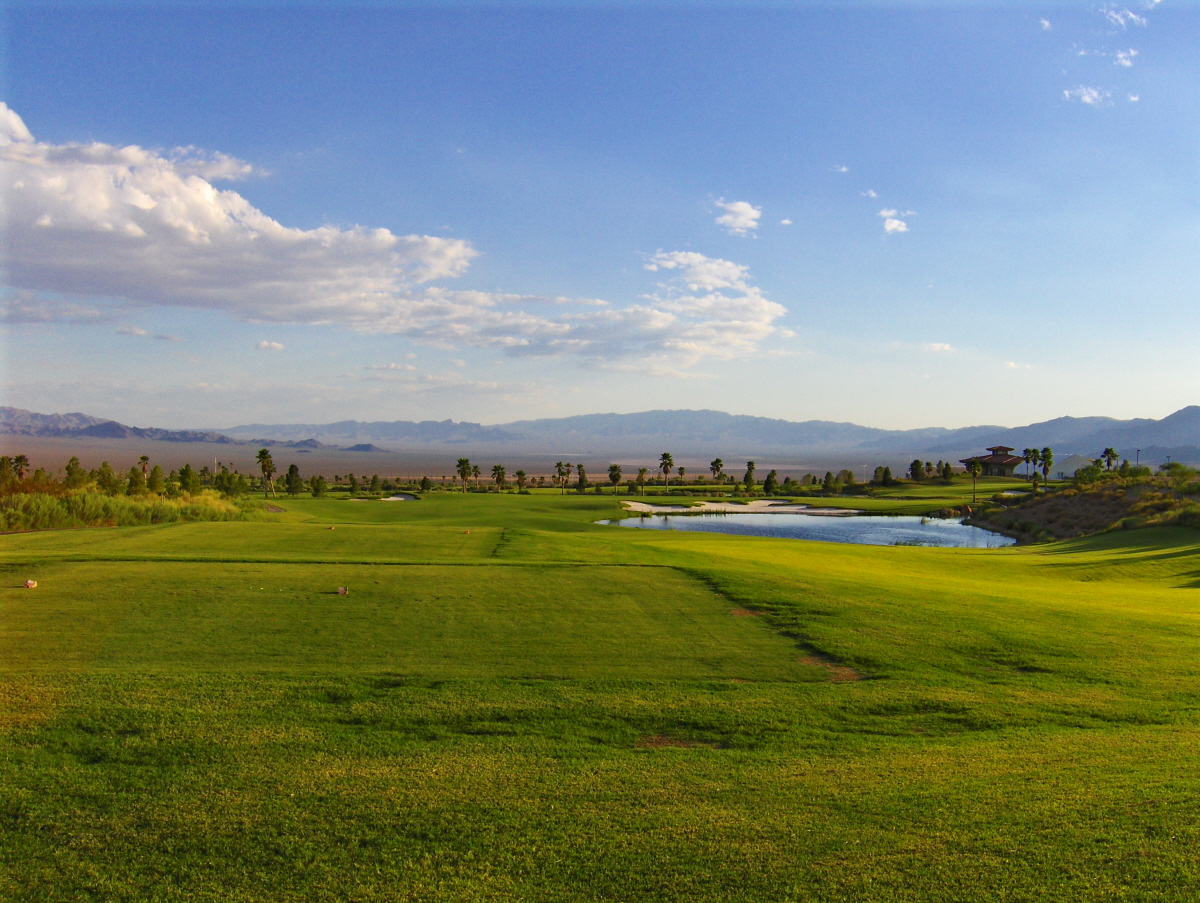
682,432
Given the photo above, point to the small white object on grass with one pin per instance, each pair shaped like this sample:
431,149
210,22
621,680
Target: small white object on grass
31,584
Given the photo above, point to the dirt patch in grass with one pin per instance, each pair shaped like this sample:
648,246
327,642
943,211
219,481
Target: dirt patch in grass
658,741
275,509
743,613
838,673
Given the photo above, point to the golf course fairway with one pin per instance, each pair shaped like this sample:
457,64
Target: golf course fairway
513,703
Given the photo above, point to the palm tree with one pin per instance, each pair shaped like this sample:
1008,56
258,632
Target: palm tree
20,464
144,460
560,472
716,465
267,466
642,471
1046,456
1110,456
520,476
475,473
463,469
749,480
614,476
682,471
498,475
1030,457
974,469
665,464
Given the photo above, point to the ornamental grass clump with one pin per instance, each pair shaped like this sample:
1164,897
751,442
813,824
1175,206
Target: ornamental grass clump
41,511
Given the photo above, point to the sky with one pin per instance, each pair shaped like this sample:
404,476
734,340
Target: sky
898,214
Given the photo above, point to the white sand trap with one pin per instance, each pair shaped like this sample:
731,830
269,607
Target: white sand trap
757,506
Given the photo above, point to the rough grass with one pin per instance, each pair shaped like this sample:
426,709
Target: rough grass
40,511
545,709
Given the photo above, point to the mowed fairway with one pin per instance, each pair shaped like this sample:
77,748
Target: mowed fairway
515,704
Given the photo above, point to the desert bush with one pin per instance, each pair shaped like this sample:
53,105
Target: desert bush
41,511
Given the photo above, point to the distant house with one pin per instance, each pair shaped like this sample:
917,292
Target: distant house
1000,463
1066,468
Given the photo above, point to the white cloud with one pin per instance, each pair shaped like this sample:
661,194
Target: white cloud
1134,98
869,193
1013,365
264,345
408,367
739,218
840,168
887,211
785,222
938,346
1093,97
1045,23
130,330
131,223
143,228
1123,18
1124,58
894,225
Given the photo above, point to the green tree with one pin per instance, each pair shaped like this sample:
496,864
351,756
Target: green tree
354,485
771,483
1110,456
20,464
877,479
426,484
463,469
947,472
476,473
1046,456
614,476
829,484
717,466
916,470
641,478
666,463
189,480
135,482
748,479
1029,456
144,463
376,483
521,477
293,483
682,471
76,476
582,483
267,465
156,482
498,475
316,485
888,479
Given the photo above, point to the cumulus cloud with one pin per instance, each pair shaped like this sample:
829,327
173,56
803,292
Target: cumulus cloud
869,193
1134,98
1093,97
739,218
125,222
130,330
264,345
146,228
894,225
1045,23
1124,58
840,168
887,211
785,222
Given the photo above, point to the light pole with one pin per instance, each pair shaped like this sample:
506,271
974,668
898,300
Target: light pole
1138,461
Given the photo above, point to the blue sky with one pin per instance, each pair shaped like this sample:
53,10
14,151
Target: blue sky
899,214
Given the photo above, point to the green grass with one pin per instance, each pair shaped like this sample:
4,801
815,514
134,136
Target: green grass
514,703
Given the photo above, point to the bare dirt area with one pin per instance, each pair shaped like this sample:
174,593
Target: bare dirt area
838,673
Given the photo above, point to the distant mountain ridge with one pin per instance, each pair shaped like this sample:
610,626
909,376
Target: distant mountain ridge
683,432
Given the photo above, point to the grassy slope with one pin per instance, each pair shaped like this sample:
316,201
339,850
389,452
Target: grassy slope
190,712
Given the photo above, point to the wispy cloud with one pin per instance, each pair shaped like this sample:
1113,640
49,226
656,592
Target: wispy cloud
739,218
938,346
264,345
164,337
131,330
1122,18
869,193
1045,23
840,168
1124,58
887,211
407,367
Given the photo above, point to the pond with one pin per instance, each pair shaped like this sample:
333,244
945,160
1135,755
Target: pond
867,529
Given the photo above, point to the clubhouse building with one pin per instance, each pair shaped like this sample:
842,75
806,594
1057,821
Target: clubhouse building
1000,463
